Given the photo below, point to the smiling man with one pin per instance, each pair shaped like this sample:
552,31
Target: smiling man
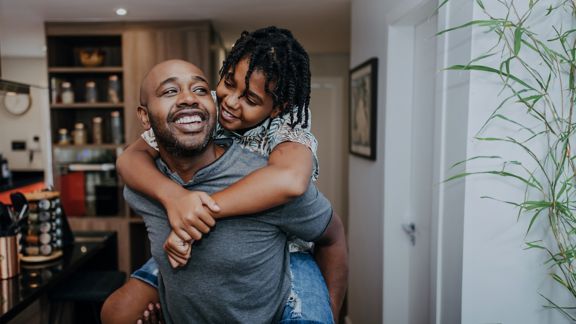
239,273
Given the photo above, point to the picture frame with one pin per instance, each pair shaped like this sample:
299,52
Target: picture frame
363,109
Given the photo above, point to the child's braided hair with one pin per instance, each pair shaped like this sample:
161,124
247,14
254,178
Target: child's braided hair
276,53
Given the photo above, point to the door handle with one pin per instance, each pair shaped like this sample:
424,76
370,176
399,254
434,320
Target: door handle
410,230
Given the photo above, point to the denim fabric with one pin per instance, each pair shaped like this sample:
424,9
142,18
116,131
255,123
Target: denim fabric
309,302
148,273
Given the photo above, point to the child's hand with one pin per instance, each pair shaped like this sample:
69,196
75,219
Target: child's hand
190,213
152,315
177,250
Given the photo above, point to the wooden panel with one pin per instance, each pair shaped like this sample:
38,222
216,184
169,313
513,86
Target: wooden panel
119,224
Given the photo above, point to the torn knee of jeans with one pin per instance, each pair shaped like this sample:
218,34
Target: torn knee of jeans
296,305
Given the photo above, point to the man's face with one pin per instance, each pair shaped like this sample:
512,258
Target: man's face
180,108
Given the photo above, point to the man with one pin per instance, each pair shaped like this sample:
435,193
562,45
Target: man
239,272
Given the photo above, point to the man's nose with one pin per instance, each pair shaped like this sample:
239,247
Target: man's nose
187,97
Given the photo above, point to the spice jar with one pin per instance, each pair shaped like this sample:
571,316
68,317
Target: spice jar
97,130
113,89
67,93
79,134
91,92
63,138
116,123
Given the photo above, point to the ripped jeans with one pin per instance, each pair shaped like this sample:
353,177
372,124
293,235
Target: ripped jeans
309,302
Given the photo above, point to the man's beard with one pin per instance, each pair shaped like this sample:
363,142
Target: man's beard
174,147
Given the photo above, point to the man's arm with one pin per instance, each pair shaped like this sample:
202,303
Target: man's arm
331,253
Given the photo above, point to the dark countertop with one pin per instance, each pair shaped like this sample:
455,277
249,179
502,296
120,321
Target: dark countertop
36,279
23,178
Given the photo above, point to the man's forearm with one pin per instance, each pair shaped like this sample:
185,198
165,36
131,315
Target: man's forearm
331,254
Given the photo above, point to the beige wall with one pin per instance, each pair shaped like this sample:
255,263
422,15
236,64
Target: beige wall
331,70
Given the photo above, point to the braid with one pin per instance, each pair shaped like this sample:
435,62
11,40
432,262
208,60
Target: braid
276,53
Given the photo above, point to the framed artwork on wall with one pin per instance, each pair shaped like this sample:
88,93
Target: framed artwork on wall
363,109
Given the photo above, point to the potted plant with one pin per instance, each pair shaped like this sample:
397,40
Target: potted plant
537,72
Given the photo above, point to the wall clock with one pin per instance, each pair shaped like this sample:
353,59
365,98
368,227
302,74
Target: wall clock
17,104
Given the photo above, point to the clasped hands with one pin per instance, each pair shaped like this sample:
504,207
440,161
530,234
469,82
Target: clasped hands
191,216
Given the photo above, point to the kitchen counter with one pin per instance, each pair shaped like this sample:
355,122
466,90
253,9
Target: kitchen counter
23,181
90,251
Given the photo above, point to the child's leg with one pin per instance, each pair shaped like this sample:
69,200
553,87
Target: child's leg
309,301
127,304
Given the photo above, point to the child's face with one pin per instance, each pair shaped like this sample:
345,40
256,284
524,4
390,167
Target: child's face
238,112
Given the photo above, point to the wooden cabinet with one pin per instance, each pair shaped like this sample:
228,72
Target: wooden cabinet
88,133
84,172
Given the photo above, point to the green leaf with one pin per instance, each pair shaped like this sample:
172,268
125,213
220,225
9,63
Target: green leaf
475,158
440,6
482,23
490,70
518,40
480,4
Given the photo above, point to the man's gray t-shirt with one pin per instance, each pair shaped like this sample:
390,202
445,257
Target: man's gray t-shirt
239,272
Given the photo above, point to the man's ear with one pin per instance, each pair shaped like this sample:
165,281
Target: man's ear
143,116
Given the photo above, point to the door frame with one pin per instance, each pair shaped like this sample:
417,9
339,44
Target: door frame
398,146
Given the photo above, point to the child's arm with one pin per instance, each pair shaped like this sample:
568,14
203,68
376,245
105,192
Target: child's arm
136,167
286,176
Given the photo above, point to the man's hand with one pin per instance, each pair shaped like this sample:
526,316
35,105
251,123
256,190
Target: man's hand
190,213
177,250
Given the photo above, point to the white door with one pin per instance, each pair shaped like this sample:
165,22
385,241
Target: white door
327,108
409,164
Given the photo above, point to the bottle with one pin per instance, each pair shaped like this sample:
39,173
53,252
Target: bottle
5,174
63,138
97,130
67,93
116,123
91,92
79,134
113,89
54,94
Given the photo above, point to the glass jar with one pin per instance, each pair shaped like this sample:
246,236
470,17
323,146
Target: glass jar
63,138
79,134
67,93
113,89
97,130
116,125
91,92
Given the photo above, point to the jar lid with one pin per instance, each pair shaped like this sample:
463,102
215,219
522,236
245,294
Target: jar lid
79,126
97,119
113,77
66,85
90,84
115,114
62,131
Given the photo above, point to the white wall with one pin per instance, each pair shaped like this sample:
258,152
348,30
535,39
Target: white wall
35,122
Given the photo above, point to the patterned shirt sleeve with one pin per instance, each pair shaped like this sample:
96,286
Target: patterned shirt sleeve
150,139
284,133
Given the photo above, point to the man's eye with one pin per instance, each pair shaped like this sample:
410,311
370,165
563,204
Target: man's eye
201,91
169,92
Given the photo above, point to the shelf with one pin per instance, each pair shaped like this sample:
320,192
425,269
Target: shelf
89,146
102,69
91,167
83,105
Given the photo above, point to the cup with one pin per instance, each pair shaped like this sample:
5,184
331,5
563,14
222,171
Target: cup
9,259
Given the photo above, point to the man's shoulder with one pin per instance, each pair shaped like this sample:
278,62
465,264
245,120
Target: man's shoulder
237,151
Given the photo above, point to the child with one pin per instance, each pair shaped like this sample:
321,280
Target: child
263,95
